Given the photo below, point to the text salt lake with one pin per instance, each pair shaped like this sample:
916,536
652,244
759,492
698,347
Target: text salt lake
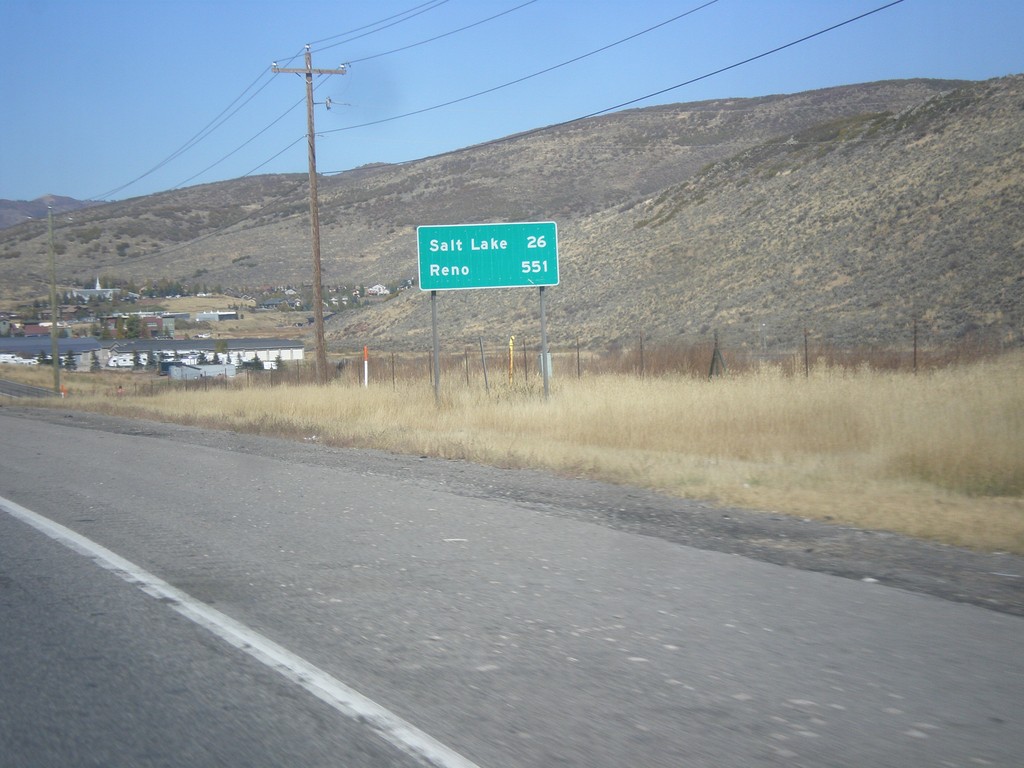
455,244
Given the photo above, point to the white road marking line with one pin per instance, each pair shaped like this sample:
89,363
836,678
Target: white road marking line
392,728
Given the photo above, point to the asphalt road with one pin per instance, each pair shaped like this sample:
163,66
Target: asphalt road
96,673
13,389
515,618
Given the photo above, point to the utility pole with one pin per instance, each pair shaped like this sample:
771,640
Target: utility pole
54,309
314,209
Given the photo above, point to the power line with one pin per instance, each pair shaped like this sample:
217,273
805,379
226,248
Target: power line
525,77
220,119
584,117
203,133
274,157
407,14
420,9
445,34
578,58
622,104
737,64
244,144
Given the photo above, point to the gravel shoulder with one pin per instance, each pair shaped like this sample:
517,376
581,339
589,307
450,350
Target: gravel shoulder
990,580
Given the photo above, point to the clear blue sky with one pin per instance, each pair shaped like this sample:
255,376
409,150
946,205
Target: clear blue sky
96,93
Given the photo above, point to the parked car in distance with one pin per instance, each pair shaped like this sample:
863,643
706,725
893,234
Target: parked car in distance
9,359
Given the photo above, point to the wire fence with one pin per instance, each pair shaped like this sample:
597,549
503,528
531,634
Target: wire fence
517,362
486,364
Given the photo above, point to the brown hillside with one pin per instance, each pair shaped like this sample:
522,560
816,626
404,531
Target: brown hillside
850,211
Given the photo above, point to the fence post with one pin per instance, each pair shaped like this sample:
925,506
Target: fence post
915,345
642,370
511,357
717,363
807,364
483,363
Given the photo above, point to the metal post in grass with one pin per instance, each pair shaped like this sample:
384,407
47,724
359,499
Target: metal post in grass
717,363
642,371
915,345
807,362
511,357
437,347
544,361
483,363
526,374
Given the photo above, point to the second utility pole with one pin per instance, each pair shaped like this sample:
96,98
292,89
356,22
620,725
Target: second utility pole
314,211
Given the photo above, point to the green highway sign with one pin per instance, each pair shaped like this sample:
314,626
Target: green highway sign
487,255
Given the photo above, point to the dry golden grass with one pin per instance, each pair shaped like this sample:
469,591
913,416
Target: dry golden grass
939,455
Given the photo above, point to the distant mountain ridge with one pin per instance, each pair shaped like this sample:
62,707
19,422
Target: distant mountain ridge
17,211
851,212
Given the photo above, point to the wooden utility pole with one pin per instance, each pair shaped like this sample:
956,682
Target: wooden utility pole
54,308
314,210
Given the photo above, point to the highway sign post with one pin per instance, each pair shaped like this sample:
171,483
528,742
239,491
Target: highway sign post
468,256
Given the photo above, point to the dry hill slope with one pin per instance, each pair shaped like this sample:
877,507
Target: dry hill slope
848,210
852,227
18,211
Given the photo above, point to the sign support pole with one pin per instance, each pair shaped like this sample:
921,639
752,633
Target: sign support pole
437,347
497,255
544,344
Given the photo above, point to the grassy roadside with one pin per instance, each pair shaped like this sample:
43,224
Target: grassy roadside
939,455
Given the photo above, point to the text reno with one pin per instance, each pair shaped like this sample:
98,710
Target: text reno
437,270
